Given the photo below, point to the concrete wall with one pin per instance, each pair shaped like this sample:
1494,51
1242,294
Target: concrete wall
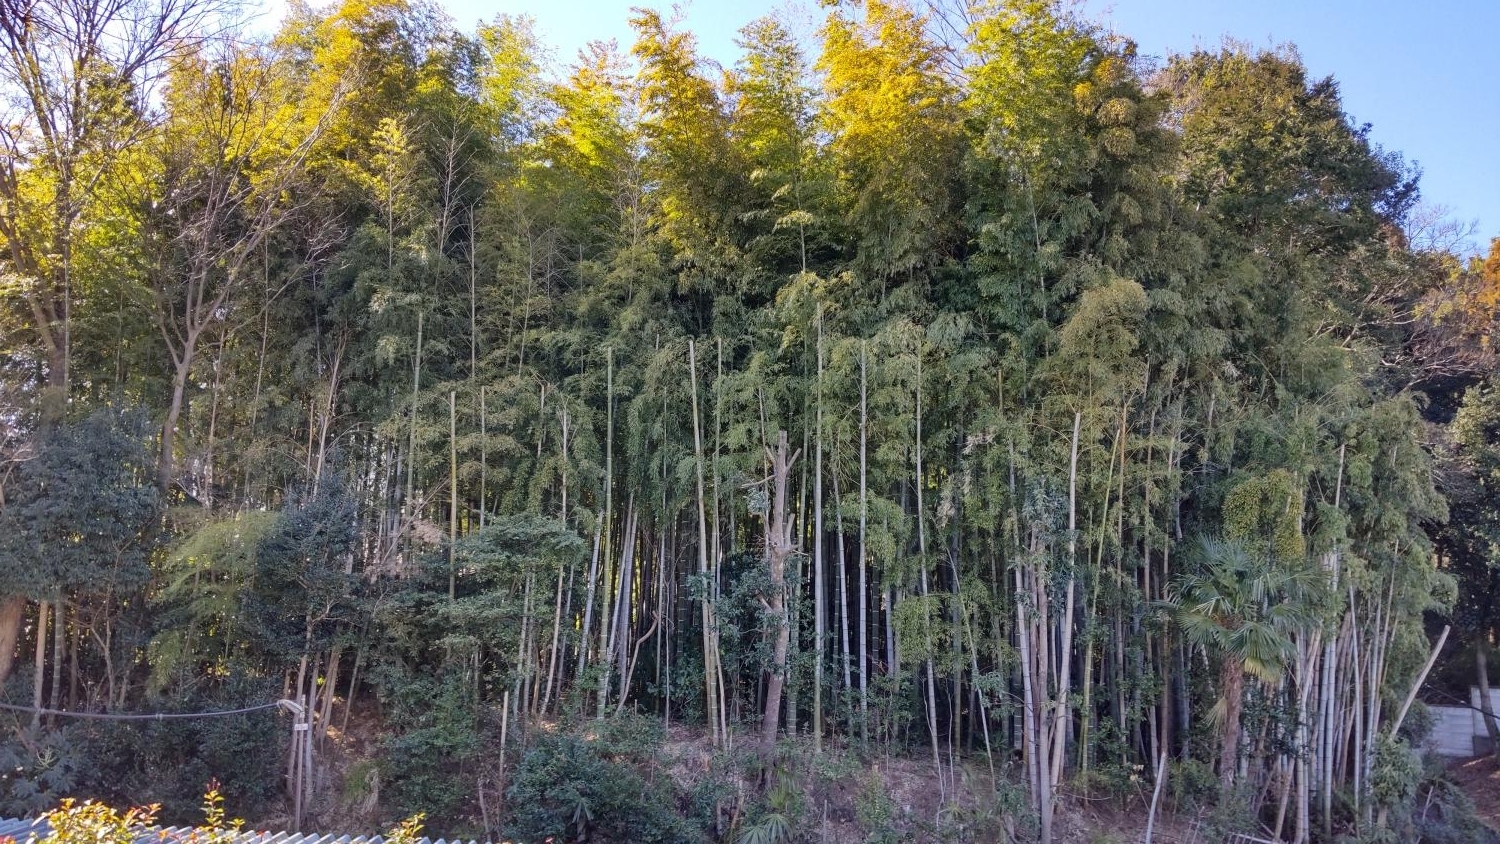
1452,731
1458,731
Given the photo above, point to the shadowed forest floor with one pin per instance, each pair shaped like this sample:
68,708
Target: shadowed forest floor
1480,779
843,796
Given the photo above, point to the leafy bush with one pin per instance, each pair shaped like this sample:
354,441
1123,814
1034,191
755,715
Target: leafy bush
714,793
96,823
92,822
774,820
1448,817
174,762
169,762
408,831
1191,784
38,768
434,742
629,737
1013,806
876,811
1395,777
565,790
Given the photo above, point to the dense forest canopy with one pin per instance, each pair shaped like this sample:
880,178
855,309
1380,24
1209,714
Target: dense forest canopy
962,385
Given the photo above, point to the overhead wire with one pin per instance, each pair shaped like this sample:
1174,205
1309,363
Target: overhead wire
140,716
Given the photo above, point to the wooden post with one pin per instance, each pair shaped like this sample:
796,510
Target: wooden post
300,732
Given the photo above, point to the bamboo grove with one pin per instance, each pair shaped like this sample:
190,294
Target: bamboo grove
951,380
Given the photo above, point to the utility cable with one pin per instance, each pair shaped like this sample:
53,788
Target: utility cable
149,716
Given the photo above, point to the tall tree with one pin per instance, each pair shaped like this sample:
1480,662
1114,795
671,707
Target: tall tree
230,169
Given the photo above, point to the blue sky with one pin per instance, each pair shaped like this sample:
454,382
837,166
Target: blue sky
1424,75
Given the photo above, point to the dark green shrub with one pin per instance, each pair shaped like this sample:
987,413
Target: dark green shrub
1448,817
170,762
38,768
431,750
1191,784
629,737
566,790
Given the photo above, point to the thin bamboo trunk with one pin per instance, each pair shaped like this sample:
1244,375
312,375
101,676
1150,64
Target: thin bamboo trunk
452,496
500,764
557,607
710,650
409,504
1065,650
717,560
635,655
473,267
609,513
864,562
1161,778
932,727
1411,697
39,670
59,645
846,657
620,637
552,655
586,629
359,659
484,469
1033,732
819,617
523,657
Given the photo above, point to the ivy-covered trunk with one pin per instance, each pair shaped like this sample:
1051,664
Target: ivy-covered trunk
1232,696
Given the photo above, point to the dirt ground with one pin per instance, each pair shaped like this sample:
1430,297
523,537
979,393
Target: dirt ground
840,790
1480,779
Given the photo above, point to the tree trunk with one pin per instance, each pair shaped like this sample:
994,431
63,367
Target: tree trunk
864,508
484,469
409,504
586,631
845,656
779,548
1232,681
12,617
1065,647
1486,705
59,643
1031,631
819,617
932,726
452,495
710,649
174,413
557,609
619,640
41,663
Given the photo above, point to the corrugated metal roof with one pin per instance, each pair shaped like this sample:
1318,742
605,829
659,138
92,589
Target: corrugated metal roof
22,829
25,830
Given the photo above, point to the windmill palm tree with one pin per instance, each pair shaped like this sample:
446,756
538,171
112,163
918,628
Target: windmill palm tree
1246,608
